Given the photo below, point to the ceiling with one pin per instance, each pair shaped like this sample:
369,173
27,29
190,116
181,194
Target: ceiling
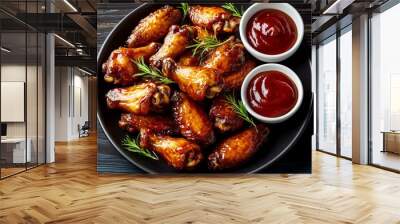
72,20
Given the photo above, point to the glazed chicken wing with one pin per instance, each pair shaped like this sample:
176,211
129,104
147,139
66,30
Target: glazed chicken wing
227,57
157,123
224,117
234,80
188,59
237,149
119,69
154,26
200,32
213,18
192,120
179,153
198,82
175,43
139,99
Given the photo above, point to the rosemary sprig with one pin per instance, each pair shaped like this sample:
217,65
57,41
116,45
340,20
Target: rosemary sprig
149,72
205,45
185,10
239,109
232,8
132,145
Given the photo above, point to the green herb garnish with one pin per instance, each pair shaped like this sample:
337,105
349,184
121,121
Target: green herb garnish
149,72
205,45
132,145
239,109
232,8
185,10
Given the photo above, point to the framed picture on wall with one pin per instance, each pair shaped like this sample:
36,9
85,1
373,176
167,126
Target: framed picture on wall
204,88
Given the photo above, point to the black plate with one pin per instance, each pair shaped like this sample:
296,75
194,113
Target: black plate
282,138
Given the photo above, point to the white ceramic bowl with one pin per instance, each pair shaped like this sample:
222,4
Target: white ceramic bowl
272,67
284,7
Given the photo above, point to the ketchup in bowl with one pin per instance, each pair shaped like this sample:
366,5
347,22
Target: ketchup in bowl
272,94
271,32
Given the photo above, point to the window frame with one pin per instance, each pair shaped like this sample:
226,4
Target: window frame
335,36
378,10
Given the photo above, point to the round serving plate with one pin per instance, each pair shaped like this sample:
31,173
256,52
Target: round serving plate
282,138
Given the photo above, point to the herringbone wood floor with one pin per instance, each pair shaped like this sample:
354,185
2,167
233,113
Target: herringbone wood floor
70,191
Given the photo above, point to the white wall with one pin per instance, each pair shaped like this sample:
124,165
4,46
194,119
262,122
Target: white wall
61,103
16,73
33,126
71,93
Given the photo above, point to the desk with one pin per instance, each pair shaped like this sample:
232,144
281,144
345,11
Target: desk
18,149
391,141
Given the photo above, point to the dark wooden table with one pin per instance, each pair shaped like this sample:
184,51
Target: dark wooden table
109,160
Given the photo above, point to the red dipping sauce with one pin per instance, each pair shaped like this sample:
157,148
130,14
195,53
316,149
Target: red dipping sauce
272,94
271,32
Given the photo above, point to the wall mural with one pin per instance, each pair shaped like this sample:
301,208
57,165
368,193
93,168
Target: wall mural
204,88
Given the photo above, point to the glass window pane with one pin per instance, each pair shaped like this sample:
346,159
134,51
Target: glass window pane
327,96
41,99
31,97
346,94
385,84
13,85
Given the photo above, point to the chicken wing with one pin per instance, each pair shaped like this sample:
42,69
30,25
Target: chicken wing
227,57
237,149
224,117
192,120
157,123
188,59
213,18
233,81
201,33
175,44
119,69
198,82
154,27
139,99
179,153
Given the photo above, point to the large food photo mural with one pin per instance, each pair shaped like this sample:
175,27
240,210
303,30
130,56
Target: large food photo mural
204,88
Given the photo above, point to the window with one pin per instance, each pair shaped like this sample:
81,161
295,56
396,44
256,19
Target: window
326,137
346,92
385,89
334,106
22,101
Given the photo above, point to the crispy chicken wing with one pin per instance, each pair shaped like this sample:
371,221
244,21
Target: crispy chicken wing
157,123
179,153
139,99
198,82
188,59
213,18
175,44
154,26
224,117
119,68
227,57
192,120
200,32
234,80
237,149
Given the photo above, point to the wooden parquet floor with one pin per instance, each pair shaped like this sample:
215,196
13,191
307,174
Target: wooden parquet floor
70,191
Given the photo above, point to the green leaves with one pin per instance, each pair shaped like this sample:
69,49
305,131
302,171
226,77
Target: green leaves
132,145
232,8
149,72
239,109
185,10
205,45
